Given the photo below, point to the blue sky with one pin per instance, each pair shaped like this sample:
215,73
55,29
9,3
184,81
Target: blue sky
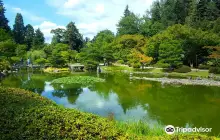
90,16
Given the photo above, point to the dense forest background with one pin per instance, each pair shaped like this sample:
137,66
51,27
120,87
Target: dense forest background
171,34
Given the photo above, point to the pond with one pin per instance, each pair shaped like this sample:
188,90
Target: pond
130,100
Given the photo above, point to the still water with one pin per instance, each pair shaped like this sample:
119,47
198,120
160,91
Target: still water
130,100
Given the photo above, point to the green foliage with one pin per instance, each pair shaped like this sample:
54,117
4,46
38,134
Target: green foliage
205,67
7,49
4,35
3,20
58,36
36,54
215,70
183,69
19,29
29,36
4,65
129,23
38,40
162,65
72,37
21,51
27,115
82,80
62,55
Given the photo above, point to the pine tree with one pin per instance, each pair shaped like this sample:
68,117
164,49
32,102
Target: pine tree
155,11
3,19
73,37
202,9
127,11
191,17
19,29
29,36
38,40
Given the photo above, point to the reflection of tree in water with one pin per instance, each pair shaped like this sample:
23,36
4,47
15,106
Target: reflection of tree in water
70,91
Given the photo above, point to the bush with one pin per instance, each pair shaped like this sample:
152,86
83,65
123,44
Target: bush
215,70
183,69
26,115
120,62
204,67
136,65
162,65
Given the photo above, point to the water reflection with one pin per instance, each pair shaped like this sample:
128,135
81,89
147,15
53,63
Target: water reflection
131,100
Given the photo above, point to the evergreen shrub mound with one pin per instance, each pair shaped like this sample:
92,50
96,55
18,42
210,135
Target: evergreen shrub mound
27,115
183,69
82,80
215,70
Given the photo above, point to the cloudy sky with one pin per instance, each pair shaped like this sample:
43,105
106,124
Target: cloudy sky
90,16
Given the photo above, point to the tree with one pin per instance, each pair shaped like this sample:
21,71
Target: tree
7,50
4,35
38,40
58,36
19,29
155,11
129,25
127,12
21,51
214,54
73,37
3,20
29,36
62,55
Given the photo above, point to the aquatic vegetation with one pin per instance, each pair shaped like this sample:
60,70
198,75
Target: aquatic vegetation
82,80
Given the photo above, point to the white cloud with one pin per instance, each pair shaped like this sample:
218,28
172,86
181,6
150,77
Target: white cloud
71,3
96,15
46,28
100,8
27,14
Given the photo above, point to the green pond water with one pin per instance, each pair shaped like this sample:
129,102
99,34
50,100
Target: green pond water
130,100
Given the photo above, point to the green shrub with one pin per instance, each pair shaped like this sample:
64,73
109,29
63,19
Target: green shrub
26,115
162,65
120,62
205,67
136,65
183,69
215,70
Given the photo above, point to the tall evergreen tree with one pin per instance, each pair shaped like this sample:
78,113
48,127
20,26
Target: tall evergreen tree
73,37
3,19
191,16
58,36
39,39
127,11
156,11
29,36
202,9
19,29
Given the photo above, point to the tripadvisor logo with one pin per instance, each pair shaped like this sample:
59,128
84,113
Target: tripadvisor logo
170,129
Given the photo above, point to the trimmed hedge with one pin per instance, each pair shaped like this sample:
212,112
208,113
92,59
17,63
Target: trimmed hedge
183,69
27,115
215,70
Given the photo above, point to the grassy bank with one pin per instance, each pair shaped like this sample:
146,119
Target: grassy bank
158,72
26,115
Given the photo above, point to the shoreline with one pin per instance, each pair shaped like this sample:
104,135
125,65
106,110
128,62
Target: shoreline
203,82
